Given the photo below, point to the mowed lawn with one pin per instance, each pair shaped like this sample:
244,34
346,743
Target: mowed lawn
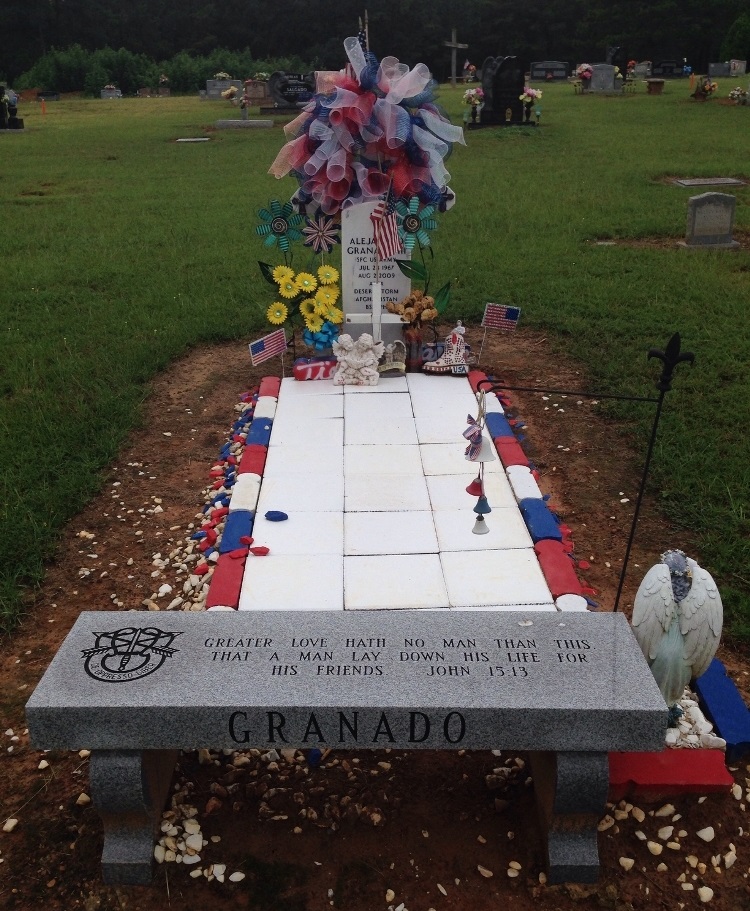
121,248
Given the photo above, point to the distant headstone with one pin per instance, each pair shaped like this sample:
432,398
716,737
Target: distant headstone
709,182
358,272
548,70
256,91
291,90
710,222
603,79
244,124
642,70
110,93
669,68
502,83
717,70
214,88
737,67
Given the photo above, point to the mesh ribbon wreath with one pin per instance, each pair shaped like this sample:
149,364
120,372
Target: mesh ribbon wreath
375,123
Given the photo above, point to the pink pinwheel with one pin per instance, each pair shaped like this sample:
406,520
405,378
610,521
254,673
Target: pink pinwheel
321,233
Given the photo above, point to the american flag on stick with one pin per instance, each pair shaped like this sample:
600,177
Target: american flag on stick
498,316
267,347
385,227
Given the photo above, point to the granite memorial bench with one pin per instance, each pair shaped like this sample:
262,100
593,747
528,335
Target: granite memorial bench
135,688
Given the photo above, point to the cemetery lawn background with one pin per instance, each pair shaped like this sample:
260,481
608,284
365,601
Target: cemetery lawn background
125,251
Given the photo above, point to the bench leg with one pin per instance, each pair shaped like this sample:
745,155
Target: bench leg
129,789
571,792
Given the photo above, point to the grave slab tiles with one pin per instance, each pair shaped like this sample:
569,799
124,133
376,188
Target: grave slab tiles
386,384
293,582
308,432
328,406
450,458
449,492
367,533
506,530
394,582
364,431
494,577
291,388
381,460
378,408
302,533
299,493
301,459
385,493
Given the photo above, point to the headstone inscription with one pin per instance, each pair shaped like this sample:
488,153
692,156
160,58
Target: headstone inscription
291,90
548,70
710,222
567,692
360,268
669,68
717,70
502,83
604,79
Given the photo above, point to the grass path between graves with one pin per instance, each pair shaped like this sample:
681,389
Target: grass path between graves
123,248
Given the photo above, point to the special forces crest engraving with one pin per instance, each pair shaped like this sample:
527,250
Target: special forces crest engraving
128,654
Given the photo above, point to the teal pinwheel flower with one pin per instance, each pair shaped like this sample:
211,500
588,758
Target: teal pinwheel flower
279,225
414,223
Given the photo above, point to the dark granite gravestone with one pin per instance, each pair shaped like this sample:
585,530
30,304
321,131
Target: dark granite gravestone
669,68
568,688
502,83
549,70
291,91
716,70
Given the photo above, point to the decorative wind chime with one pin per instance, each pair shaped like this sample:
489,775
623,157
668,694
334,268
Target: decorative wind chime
479,450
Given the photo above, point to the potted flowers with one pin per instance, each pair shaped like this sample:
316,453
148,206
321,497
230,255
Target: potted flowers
474,98
529,97
738,96
584,72
704,89
415,310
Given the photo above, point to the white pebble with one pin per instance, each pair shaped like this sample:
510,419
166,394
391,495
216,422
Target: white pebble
236,877
706,834
654,847
43,764
9,825
666,810
627,863
83,800
159,852
189,858
441,889
705,894
484,871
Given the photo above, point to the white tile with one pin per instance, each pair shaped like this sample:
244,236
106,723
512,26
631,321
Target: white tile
507,530
572,603
301,459
523,483
492,404
293,582
308,432
319,406
378,408
386,385
380,460
389,533
422,383
245,492
500,577
430,430
393,582
322,491
451,410
448,491
302,533
293,388
450,458
527,608
385,493
265,407
364,431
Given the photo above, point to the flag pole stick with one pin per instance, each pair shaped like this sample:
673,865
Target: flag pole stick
481,347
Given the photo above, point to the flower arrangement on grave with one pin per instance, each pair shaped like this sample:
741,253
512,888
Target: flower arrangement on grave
110,87
738,95
618,73
704,89
473,97
415,310
261,76
229,93
632,64
530,96
584,71
222,76
163,79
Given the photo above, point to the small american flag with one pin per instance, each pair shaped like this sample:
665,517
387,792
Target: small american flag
498,316
385,228
267,347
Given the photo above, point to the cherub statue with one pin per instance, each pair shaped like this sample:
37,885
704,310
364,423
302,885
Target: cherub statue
358,361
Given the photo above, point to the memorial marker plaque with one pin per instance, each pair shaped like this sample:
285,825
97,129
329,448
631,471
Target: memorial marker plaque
548,70
291,90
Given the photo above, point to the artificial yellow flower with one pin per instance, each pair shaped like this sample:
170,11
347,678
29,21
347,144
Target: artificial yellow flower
282,273
308,307
328,275
327,294
321,308
288,288
335,315
277,313
306,282
314,323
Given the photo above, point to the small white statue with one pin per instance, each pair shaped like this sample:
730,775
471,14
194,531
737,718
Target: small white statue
357,361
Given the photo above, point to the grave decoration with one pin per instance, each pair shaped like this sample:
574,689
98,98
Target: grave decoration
475,99
357,360
480,451
529,97
454,358
503,82
704,89
584,72
370,139
677,620
738,95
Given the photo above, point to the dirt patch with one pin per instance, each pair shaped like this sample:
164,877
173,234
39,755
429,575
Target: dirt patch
380,820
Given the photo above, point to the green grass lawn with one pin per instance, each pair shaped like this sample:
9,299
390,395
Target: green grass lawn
122,248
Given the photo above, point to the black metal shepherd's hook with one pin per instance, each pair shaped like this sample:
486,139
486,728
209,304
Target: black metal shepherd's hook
670,358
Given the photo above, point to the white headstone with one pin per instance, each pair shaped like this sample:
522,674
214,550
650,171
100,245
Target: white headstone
358,272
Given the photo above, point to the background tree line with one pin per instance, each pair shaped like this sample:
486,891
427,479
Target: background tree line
156,31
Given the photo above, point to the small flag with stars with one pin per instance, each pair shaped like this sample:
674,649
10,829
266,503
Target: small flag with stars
267,347
385,228
498,316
